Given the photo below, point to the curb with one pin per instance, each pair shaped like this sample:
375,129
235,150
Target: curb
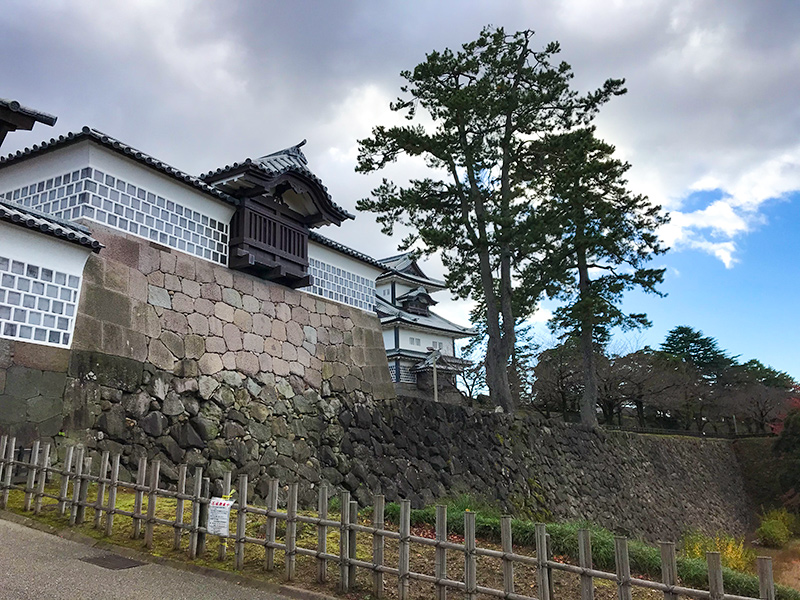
75,536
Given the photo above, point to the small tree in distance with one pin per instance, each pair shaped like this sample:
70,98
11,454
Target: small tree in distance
593,238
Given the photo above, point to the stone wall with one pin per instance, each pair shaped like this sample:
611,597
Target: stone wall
653,486
185,362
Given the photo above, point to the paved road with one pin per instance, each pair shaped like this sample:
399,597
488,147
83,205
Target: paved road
36,565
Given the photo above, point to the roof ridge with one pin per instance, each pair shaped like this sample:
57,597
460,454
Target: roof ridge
121,147
43,215
26,217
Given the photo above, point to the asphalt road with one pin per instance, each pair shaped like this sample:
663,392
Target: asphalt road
36,566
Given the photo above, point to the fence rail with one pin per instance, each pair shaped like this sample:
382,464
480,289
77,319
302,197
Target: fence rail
76,471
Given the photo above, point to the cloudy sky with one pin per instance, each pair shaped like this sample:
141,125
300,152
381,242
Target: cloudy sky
711,121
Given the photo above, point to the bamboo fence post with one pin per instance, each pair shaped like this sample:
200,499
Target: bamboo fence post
378,545
291,532
152,496
30,483
549,546
111,509
138,498
542,575
222,549
440,558
3,444
623,568
8,471
80,516
585,561
180,505
351,544
322,534
269,538
76,486
766,585
37,504
669,568
101,489
404,549
508,548
241,522
64,487
205,492
344,539
715,585
470,562
198,488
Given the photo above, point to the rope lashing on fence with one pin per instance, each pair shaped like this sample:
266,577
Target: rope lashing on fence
75,470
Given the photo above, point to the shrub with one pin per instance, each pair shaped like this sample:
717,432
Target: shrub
773,533
789,519
733,552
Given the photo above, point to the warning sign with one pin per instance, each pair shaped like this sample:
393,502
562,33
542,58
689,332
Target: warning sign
219,516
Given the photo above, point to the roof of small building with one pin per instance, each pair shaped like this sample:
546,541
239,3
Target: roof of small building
36,115
33,219
388,314
419,293
404,266
288,160
119,147
422,355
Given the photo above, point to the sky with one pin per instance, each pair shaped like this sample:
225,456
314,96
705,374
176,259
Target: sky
710,122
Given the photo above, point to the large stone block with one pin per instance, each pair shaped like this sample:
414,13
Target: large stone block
105,305
13,410
116,276
160,357
158,296
111,371
22,382
88,333
36,356
112,422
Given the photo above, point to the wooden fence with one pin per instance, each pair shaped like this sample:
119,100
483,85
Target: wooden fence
75,477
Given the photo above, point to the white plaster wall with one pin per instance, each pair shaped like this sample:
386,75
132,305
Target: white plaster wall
52,164
46,252
388,338
114,164
26,245
426,339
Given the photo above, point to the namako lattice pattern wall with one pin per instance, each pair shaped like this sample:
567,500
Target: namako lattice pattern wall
37,304
341,285
102,197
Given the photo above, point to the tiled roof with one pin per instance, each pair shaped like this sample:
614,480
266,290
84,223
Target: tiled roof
49,225
284,161
389,313
454,362
114,144
314,236
404,266
34,114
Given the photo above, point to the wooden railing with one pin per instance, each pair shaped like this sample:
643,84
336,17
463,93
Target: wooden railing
76,471
268,243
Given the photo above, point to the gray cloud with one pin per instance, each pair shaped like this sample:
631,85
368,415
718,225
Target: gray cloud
711,102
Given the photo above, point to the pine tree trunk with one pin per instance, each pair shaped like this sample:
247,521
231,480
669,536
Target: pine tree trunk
589,398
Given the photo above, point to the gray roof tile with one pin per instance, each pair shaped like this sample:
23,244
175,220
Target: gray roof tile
121,148
47,224
32,113
283,161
